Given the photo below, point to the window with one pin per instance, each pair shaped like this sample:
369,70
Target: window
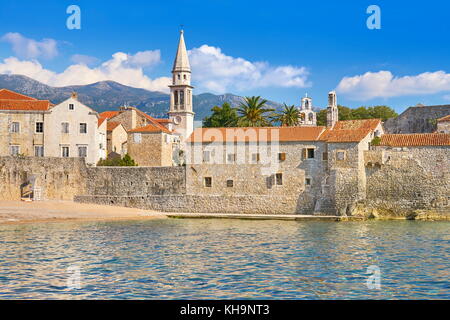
184,77
231,157
39,127
206,156
83,127
282,156
325,156
71,106
308,181
38,151
179,77
182,99
65,127
308,153
175,97
255,158
311,153
82,151
15,127
208,182
65,152
340,155
230,183
137,138
279,179
14,150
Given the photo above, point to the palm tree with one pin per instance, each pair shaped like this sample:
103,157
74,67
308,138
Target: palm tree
289,116
224,116
253,112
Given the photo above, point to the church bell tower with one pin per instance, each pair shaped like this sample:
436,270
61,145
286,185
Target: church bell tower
181,112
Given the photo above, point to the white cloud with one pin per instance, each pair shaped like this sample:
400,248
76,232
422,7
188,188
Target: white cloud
123,68
215,71
29,48
383,84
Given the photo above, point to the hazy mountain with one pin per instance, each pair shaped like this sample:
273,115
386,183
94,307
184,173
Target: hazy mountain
109,95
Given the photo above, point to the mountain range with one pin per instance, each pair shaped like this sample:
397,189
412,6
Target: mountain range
110,95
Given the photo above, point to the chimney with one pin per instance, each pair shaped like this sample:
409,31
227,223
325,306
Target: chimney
75,95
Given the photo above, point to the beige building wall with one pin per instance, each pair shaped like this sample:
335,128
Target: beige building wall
26,138
152,148
102,142
116,140
55,139
443,127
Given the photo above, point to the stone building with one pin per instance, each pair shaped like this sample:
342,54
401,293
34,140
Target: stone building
32,127
116,138
307,115
443,124
71,129
302,168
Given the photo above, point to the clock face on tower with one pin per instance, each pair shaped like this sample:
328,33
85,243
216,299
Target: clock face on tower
177,120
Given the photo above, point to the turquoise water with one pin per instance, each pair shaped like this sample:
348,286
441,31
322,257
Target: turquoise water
227,259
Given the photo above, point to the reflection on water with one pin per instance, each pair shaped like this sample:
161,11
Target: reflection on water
228,259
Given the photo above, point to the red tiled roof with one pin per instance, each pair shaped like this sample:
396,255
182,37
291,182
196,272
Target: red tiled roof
147,129
11,95
350,130
163,120
100,121
255,134
109,114
415,139
24,105
112,125
444,119
153,121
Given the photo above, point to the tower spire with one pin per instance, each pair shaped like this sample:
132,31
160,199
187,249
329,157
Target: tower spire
181,62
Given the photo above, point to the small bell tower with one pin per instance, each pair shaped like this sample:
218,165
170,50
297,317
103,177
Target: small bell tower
332,110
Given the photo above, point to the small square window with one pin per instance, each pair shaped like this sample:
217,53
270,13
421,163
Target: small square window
208,182
137,138
14,150
83,127
230,183
65,127
311,153
71,106
308,181
282,156
325,156
65,152
39,127
38,151
82,151
279,179
15,127
340,155
231,157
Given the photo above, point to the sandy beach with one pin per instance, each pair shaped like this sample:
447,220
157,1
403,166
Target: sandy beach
53,211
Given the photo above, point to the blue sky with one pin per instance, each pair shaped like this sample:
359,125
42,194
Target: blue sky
277,49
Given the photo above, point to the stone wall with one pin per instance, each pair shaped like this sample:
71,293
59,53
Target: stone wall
58,178
419,119
401,180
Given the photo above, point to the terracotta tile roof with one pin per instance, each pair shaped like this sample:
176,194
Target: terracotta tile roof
250,134
147,129
112,125
100,121
24,105
350,130
153,121
444,119
109,114
415,139
11,95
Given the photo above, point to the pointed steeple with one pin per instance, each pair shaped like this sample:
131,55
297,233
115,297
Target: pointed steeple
181,60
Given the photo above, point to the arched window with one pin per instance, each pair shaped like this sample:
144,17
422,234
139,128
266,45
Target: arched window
175,98
311,117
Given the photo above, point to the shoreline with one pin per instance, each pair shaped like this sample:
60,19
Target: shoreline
21,212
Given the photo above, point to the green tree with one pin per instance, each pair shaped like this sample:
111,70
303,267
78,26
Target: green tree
126,161
289,116
224,116
345,113
253,112
382,112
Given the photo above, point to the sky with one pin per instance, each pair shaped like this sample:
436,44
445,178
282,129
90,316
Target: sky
280,50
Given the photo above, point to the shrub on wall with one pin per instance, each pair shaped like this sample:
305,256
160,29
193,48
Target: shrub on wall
126,161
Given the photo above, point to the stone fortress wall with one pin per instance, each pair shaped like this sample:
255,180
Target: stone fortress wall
391,182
